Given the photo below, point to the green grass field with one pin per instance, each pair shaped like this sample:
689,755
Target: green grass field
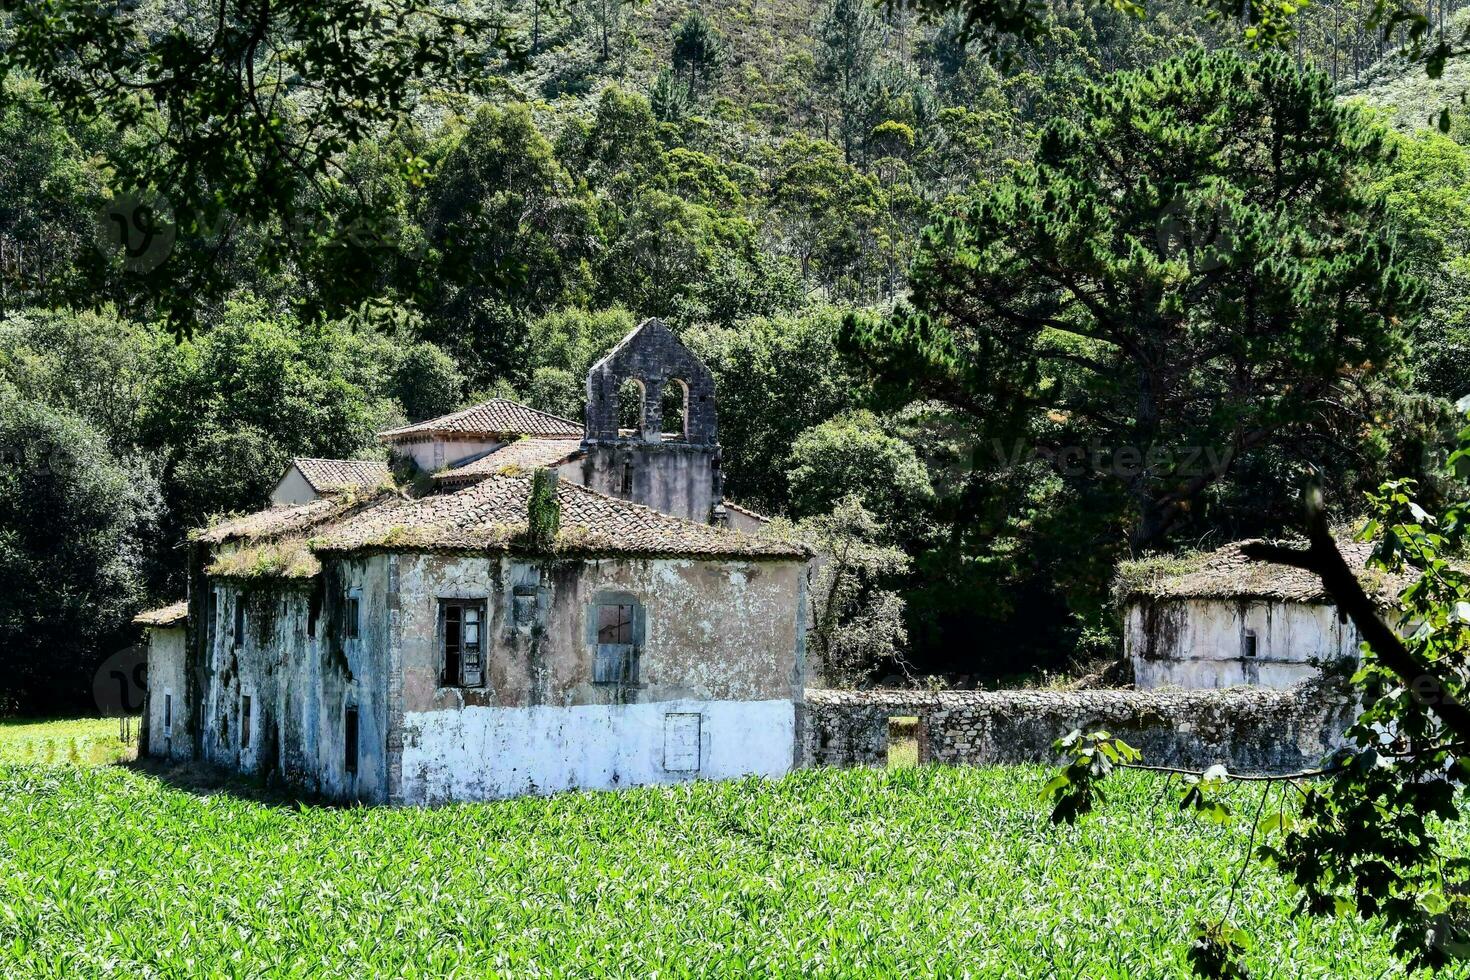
80,741
108,871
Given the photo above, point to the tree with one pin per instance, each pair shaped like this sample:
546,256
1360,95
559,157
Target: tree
777,377
1369,829
508,233
234,113
852,455
822,213
72,518
48,213
669,98
231,407
849,38
699,52
856,618
1194,270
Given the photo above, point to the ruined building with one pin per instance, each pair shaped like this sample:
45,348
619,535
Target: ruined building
1221,620
561,609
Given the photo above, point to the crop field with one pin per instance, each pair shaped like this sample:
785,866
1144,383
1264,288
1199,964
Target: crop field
111,871
81,741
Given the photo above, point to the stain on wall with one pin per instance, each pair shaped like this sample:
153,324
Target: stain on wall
1201,643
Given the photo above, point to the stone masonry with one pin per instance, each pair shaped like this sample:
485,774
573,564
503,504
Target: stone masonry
1248,730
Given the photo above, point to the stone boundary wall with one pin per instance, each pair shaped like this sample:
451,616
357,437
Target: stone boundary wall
1246,729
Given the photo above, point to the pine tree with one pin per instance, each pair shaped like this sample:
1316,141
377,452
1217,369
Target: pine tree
699,52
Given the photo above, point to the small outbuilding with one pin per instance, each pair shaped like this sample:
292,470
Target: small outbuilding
1220,619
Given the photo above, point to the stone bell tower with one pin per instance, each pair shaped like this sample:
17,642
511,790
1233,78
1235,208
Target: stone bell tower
666,452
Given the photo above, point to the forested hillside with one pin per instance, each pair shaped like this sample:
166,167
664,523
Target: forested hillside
757,172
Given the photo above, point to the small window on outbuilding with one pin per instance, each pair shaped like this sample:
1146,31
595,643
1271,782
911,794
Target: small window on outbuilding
617,638
462,629
239,620
245,721
1248,646
168,714
349,739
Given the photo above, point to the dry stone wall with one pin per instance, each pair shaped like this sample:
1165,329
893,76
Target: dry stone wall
1246,729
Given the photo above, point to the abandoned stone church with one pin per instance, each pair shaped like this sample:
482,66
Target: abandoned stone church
560,606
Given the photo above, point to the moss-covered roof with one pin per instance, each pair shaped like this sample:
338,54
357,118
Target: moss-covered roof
293,520
491,515
173,614
1228,574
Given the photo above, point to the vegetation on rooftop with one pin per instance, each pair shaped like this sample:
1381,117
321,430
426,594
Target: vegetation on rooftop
285,558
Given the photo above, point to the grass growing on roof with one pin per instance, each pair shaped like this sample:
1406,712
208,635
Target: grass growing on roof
900,872
288,558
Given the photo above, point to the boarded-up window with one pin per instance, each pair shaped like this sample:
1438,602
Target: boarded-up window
616,659
349,739
463,631
681,741
245,722
523,606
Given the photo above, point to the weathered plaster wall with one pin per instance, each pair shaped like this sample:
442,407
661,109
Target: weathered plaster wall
722,641
737,520
1247,729
673,478
301,671
293,489
166,679
436,453
1200,643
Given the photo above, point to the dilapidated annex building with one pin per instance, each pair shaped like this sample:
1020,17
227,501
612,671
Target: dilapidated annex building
564,608
1220,619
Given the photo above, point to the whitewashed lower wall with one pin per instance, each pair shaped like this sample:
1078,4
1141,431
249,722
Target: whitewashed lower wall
167,685
1199,643
477,753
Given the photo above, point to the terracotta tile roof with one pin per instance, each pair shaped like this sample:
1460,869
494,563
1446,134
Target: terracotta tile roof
328,475
518,457
491,515
1228,574
498,417
170,615
279,522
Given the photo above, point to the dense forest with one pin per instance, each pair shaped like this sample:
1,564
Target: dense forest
993,316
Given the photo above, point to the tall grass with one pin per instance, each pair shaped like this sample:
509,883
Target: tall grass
924,871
